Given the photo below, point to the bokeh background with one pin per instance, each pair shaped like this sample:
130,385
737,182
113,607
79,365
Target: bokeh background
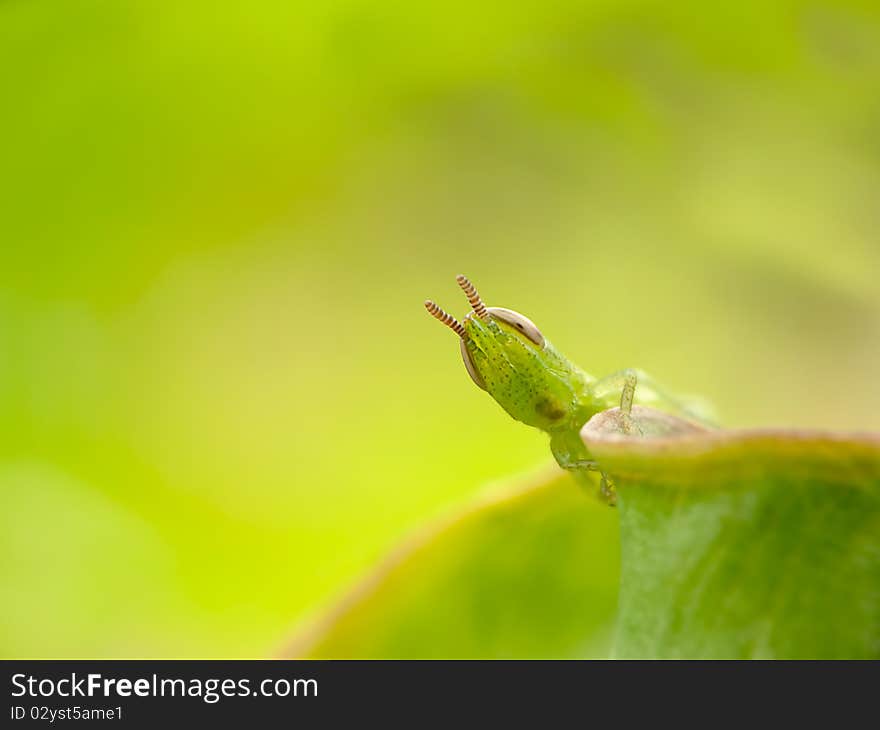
220,397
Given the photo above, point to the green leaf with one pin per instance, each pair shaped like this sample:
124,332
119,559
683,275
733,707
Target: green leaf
732,544
527,571
751,544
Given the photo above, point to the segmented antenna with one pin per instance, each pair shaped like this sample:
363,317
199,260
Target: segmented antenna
445,318
474,298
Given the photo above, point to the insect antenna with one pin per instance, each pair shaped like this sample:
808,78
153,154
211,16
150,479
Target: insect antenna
445,318
474,298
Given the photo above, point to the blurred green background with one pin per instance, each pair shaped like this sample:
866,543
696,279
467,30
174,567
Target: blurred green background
220,397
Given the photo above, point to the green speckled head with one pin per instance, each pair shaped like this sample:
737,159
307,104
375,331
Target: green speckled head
507,356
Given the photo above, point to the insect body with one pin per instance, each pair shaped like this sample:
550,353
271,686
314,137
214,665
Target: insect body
507,356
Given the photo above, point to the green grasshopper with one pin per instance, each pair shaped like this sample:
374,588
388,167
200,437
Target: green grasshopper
507,356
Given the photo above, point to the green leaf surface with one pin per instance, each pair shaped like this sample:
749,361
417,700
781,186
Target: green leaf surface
749,544
755,544
529,570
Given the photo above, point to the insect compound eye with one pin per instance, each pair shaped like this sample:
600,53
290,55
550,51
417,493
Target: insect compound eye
518,322
469,365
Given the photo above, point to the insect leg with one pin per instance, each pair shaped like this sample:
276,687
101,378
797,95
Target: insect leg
605,390
623,382
585,464
628,392
572,455
607,491
609,388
